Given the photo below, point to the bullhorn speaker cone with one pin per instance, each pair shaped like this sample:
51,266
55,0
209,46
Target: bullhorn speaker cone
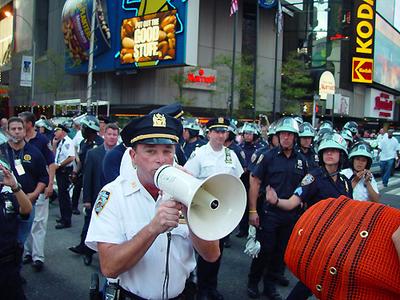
215,204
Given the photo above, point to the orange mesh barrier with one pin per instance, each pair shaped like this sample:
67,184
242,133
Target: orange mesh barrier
343,249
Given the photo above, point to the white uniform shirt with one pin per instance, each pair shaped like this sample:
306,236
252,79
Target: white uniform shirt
65,148
388,148
205,162
122,209
360,191
78,138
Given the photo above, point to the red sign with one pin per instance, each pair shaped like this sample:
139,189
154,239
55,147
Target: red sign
382,102
362,69
192,77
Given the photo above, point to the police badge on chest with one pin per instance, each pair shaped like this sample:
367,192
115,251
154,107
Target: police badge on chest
299,164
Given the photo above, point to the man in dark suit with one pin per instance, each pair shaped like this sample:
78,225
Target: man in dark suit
93,181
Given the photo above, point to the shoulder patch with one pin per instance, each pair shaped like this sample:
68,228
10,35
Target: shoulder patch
308,179
260,158
253,158
27,157
101,201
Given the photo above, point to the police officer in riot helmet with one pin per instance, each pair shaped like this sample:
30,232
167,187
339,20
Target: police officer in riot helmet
319,184
281,168
273,140
192,140
353,127
304,146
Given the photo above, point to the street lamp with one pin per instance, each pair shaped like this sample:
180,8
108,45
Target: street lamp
9,14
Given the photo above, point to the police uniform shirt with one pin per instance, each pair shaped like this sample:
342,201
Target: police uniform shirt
34,166
360,191
205,162
255,156
41,142
188,148
65,149
319,185
280,172
311,157
249,149
239,153
9,212
122,209
85,146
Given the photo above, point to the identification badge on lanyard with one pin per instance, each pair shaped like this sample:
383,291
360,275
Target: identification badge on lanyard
19,167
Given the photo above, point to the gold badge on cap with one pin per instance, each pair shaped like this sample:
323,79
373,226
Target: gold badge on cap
159,120
220,120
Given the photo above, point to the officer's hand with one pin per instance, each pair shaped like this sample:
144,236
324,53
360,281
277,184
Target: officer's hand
32,197
87,205
48,191
167,216
9,178
254,219
271,195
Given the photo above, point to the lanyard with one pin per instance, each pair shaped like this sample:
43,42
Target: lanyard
59,149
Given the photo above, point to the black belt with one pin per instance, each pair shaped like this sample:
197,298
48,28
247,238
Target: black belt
126,295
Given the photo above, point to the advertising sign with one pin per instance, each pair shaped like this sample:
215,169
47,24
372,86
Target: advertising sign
387,55
326,84
133,34
379,104
200,78
26,71
363,46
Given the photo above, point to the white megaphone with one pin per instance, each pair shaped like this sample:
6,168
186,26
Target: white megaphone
215,205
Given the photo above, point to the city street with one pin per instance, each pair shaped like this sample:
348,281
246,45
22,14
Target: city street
66,277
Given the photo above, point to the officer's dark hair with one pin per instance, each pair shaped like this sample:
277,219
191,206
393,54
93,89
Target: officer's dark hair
231,136
15,119
104,118
113,126
28,117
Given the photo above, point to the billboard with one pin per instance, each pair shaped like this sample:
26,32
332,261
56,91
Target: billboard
363,41
132,34
387,55
379,104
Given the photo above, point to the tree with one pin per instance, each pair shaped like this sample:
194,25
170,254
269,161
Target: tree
244,67
296,83
55,78
179,79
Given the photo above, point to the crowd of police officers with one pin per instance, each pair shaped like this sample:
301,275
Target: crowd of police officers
276,163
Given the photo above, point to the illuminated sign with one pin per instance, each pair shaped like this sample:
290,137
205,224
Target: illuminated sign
364,26
200,78
379,104
132,34
326,84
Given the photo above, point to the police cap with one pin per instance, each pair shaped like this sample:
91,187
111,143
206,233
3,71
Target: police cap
61,127
218,124
153,128
174,110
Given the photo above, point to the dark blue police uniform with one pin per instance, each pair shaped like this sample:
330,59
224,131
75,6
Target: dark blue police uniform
311,157
84,147
284,175
249,149
188,148
10,248
42,143
316,186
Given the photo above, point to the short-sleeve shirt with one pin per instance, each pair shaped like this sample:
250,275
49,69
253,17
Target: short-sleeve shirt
41,142
360,191
65,149
34,166
319,185
282,173
205,162
122,209
389,148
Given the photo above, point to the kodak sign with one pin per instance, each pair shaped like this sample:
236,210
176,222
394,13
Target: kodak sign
363,46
